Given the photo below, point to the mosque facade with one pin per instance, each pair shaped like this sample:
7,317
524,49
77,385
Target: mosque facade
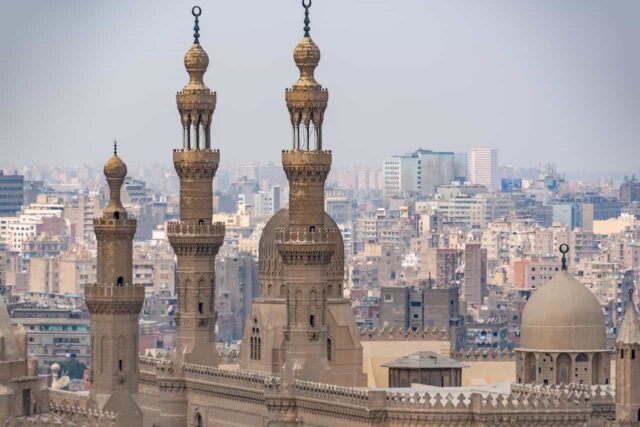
301,361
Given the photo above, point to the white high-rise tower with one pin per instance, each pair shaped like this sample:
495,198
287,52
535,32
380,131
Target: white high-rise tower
483,166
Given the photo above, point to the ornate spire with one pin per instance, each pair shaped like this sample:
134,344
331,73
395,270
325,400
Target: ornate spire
306,4
307,100
564,249
115,170
196,102
196,12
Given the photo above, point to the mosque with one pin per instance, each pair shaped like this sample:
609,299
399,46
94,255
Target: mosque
301,361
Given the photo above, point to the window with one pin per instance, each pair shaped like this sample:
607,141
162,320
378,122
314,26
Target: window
388,297
120,364
329,349
312,320
198,420
200,307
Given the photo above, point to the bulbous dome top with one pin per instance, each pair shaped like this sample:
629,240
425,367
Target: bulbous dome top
115,168
196,59
563,315
306,53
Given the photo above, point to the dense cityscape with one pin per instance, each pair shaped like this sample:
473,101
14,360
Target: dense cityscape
432,288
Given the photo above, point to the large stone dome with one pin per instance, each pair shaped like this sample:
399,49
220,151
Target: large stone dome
563,316
271,266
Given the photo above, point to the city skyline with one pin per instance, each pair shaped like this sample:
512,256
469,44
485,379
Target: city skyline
518,84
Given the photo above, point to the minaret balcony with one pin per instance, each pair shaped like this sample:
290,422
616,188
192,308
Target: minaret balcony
307,246
195,239
114,298
196,164
125,225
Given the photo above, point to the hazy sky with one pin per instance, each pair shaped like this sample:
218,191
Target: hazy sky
541,80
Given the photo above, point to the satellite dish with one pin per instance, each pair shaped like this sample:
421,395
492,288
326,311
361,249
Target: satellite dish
61,383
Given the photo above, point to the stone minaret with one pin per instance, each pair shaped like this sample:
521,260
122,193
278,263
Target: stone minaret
306,246
114,303
195,239
628,369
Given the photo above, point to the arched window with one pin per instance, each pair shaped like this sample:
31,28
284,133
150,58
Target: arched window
120,281
116,215
201,222
255,342
197,420
582,357
329,349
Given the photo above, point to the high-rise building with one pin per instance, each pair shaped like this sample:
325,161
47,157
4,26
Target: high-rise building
11,194
475,273
483,166
422,171
114,302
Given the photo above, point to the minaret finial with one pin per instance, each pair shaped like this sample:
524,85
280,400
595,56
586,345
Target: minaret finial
115,147
196,12
564,248
306,4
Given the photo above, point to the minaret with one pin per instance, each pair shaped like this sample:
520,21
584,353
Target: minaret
195,239
114,303
628,369
306,246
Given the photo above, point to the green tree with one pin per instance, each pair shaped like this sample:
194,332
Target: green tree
72,367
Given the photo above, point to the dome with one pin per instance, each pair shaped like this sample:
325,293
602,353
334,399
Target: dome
563,315
306,53
270,265
196,59
115,168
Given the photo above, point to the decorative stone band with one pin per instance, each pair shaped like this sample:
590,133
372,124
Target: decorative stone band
196,164
401,334
311,166
195,239
302,246
114,299
76,412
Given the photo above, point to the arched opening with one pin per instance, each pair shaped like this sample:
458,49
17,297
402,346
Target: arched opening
530,368
596,366
582,374
638,419
329,349
116,215
201,222
120,281
563,369
312,228
197,420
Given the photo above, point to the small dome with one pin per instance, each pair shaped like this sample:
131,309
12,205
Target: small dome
55,368
306,53
115,168
563,315
196,59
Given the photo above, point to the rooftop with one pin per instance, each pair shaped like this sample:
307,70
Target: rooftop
424,360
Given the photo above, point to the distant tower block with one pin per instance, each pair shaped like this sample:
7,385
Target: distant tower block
195,239
114,303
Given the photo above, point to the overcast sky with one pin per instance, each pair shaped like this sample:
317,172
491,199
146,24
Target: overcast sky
541,80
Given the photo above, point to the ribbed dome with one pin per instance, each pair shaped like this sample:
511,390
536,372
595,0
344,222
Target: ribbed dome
115,168
563,316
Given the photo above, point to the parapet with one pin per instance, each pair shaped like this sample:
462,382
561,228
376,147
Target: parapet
401,334
479,355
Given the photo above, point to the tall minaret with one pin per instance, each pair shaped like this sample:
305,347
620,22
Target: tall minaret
306,246
195,239
628,369
114,303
